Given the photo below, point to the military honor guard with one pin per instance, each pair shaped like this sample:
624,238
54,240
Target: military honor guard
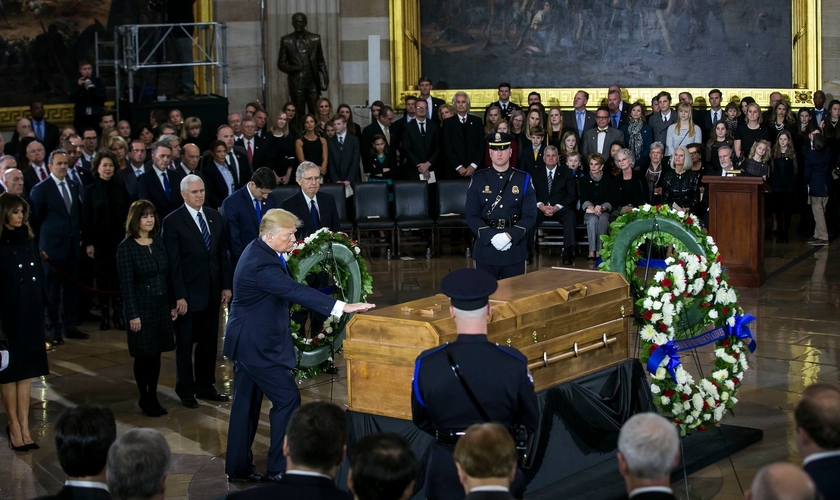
469,381
501,208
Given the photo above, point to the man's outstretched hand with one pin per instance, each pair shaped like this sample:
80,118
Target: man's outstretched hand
358,307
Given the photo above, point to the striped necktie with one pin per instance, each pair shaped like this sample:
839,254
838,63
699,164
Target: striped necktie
204,231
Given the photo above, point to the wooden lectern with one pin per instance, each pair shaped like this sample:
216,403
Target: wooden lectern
736,222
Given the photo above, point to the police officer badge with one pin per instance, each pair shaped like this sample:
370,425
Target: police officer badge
514,189
498,137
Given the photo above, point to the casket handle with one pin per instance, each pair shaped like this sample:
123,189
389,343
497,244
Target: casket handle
576,351
576,288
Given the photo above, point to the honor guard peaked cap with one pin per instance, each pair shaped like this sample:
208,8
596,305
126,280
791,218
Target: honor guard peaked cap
498,140
468,289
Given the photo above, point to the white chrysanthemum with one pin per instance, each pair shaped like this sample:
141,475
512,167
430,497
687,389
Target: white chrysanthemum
659,276
668,309
710,240
665,401
681,214
294,335
719,412
358,250
660,338
730,321
660,374
681,375
698,285
725,395
669,261
647,333
695,414
646,208
689,419
329,329
743,361
734,400
713,314
657,305
697,402
321,336
656,317
714,249
647,304
654,291
707,417
654,389
729,385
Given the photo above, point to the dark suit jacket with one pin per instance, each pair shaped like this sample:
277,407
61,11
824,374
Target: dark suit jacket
293,63
707,123
59,232
463,144
660,127
241,221
150,188
527,162
563,187
420,149
217,189
570,120
261,153
298,204
397,131
85,175
30,178
294,487
589,143
824,474
77,493
257,332
511,107
197,275
131,182
51,134
436,104
343,161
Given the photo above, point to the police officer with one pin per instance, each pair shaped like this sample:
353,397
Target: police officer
497,376
501,207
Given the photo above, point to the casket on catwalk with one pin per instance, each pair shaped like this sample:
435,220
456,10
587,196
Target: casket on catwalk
567,322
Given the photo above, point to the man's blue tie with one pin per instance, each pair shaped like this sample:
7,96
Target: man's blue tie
204,231
615,120
283,261
258,210
39,130
580,121
167,188
314,211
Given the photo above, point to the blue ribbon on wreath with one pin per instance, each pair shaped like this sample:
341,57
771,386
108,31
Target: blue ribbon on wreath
672,348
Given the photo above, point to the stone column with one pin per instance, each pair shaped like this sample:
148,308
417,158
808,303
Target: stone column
322,18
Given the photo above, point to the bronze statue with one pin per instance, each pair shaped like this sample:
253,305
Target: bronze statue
302,58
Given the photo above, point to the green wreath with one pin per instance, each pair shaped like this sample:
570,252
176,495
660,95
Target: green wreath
688,304
340,257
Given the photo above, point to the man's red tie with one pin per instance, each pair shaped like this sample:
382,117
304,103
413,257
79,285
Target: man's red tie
250,153
42,171
463,119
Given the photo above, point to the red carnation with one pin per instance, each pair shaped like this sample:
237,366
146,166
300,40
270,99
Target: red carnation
295,252
663,327
702,428
705,405
726,343
685,397
717,403
706,304
669,393
300,242
715,383
735,380
667,283
682,263
725,310
736,355
637,252
703,274
689,220
672,297
717,259
648,315
653,348
677,421
658,207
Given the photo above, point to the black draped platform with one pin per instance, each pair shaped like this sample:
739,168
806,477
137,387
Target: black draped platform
574,450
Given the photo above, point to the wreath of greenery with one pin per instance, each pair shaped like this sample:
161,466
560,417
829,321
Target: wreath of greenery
683,300
339,256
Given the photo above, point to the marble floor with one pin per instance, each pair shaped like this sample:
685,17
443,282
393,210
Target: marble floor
797,330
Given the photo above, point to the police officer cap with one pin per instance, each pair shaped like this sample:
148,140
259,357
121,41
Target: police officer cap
468,289
498,140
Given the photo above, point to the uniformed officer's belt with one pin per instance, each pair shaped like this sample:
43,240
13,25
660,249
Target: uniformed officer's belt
448,438
502,223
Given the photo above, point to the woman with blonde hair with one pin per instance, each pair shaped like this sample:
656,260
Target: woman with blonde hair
191,133
119,148
445,111
281,147
749,131
683,132
494,114
555,126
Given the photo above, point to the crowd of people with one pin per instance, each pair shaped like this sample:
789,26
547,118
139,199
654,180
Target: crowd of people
150,222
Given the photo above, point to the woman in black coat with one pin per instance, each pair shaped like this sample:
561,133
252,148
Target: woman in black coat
103,226
597,196
21,317
149,308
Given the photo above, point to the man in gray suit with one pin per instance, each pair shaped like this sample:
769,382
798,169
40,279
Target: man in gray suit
599,139
660,121
343,154
302,58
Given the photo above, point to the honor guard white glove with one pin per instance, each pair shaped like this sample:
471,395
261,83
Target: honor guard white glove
500,241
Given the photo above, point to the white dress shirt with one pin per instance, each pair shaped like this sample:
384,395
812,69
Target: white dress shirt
602,136
650,489
194,214
820,456
225,171
309,204
160,179
549,174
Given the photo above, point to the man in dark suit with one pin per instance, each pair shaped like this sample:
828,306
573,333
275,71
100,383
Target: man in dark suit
37,170
83,436
159,184
90,141
45,132
424,85
696,114
314,209
503,103
555,201
421,143
380,126
343,154
599,139
767,116
648,477
398,128
256,148
714,114
618,117
382,467
261,347
485,457
236,161
314,448
56,218
817,437
131,175
579,119
138,463
662,119
243,211
818,113
196,244
785,480
463,140
302,58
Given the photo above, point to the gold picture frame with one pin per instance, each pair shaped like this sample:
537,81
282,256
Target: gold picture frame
62,114
806,67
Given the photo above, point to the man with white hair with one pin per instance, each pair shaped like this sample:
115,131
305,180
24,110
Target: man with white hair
463,140
648,450
4,165
784,481
137,467
159,184
13,181
196,244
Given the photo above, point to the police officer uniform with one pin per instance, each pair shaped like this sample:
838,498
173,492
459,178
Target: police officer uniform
501,202
497,375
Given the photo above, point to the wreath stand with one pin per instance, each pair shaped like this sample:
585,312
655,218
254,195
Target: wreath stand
652,229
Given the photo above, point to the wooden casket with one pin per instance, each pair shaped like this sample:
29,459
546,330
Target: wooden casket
568,322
